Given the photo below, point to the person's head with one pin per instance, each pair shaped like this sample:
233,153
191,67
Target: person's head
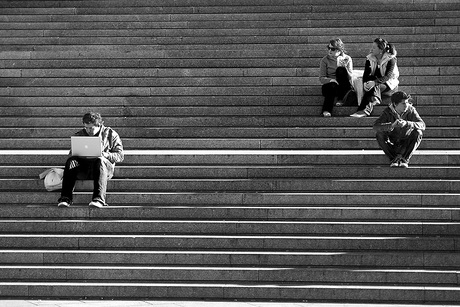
92,122
336,47
401,101
381,46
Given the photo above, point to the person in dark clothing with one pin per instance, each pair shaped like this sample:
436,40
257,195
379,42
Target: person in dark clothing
399,130
100,169
336,69
380,76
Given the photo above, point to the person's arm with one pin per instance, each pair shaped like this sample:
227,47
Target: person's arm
367,72
414,121
323,78
349,66
114,152
388,72
384,122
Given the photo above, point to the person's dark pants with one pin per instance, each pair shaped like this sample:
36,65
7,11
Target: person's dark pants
403,148
100,170
374,97
332,90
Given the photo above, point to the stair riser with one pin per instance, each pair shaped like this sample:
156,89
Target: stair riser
240,199
232,144
291,186
375,159
231,292
228,228
417,260
232,243
283,275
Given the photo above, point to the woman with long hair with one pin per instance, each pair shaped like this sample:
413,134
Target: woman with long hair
380,76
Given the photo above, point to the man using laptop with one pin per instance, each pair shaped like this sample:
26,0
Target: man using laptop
99,169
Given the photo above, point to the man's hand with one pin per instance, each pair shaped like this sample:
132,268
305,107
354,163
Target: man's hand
398,123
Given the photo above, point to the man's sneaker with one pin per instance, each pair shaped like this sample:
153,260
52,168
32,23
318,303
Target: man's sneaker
63,204
359,114
394,163
326,114
96,204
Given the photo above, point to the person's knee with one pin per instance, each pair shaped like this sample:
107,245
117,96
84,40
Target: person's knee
381,136
417,134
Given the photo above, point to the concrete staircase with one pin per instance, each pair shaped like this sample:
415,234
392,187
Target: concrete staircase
233,188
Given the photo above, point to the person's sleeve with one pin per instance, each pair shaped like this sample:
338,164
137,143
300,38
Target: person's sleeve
415,121
323,72
367,72
388,72
350,67
383,123
115,154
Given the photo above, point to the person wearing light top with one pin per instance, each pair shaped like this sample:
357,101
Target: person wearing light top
335,75
380,76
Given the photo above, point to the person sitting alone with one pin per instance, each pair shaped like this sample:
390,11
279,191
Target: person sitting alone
100,169
399,130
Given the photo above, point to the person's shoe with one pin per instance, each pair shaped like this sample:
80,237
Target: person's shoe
339,103
63,204
359,114
326,114
96,204
403,163
394,163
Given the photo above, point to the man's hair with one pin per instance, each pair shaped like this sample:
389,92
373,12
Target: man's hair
92,118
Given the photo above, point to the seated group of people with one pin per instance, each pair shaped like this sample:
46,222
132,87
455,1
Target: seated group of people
399,128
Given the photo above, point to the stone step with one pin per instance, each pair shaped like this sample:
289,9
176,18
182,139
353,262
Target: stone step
231,242
201,81
208,111
238,157
280,6
256,172
229,291
393,213
227,228
283,275
219,3
232,143
193,257
440,39
135,135
192,63
251,185
278,22
226,92
174,30
213,198
175,74
266,122
357,50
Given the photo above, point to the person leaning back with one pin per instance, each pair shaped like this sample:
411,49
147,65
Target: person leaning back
399,130
100,169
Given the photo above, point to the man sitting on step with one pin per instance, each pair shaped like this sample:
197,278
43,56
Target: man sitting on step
399,130
98,169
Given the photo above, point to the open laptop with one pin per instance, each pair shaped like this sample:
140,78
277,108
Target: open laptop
86,146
